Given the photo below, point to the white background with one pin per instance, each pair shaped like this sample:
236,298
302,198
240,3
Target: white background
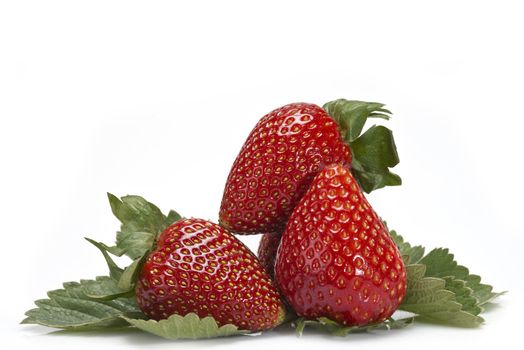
156,99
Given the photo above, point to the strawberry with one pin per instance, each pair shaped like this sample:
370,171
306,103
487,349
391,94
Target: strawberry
336,258
197,266
289,146
267,251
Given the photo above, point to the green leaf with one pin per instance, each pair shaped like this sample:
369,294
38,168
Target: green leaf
189,326
352,115
440,290
129,276
411,255
114,271
71,308
137,214
376,149
431,301
464,295
142,222
441,263
108,290
374,152
124,279
483,292
172,217
333,327
134,243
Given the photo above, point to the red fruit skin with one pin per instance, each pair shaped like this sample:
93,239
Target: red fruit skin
200,267
275,166
267,251
336,258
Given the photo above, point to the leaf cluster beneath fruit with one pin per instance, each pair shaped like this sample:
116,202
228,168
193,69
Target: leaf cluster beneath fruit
439,290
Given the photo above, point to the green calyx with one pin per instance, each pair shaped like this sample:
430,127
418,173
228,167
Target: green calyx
141,224
373,152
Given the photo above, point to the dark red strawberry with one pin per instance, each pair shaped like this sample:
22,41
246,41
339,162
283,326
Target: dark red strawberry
267,251
200,267
289,146
336,258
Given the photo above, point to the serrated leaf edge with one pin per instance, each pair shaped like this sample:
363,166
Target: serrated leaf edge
219,331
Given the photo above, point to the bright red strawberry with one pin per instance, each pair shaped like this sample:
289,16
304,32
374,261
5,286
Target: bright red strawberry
289,146
200,267
267,251
276,164
336,258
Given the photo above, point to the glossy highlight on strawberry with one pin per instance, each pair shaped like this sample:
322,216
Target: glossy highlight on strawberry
275,166
200,267
336,258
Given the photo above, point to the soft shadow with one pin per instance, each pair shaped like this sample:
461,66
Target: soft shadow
143,338
377,335
135,336
106,333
